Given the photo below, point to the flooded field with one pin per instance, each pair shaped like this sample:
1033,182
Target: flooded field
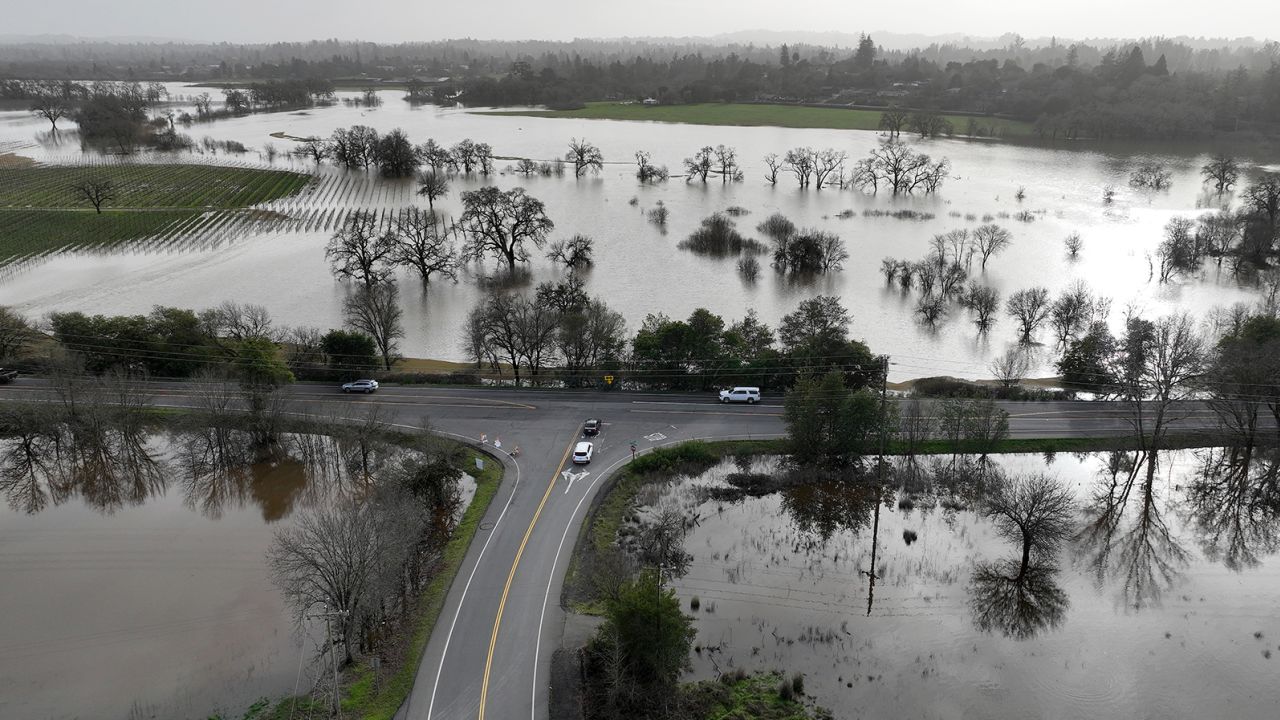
281,263
140,589
1157,599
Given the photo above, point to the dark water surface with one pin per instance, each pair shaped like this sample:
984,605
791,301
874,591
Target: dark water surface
1165,605
142,590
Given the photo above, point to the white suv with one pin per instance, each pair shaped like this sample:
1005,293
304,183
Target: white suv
749,395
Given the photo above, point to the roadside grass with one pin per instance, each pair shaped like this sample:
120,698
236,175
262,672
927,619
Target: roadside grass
369,697
738,695
751,114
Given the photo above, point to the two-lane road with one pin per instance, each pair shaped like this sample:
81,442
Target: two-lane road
489,656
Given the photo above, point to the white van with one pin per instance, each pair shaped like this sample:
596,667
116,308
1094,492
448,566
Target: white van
749,395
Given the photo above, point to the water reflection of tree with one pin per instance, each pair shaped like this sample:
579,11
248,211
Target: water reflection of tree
1126,535
831,502
1234,505
1020,596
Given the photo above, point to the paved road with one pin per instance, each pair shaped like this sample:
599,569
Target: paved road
489,656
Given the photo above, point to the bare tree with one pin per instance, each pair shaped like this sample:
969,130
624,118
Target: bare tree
574,253
990,239
916,426
1011,367
238,322
1223,171
95,191
774,164
826,162
700,165
1037,512
15,333
340,555
800,163
929,124
501,223
588,337
422,242
317,149
50,108
360,251
983,301
1074,244
584,156
1029,307
1072,312
727,163
893,121
1160,363
375,310
438,158
432,184
646,171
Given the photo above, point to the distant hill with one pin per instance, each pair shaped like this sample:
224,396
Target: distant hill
58,39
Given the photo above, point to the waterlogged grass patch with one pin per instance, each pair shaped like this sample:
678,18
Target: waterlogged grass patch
749,114
767,696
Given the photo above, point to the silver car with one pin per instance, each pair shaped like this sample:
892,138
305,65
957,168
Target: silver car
361,386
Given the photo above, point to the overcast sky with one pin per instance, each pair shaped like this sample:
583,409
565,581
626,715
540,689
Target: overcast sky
399,20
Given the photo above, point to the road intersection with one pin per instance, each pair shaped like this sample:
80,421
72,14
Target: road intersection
490,653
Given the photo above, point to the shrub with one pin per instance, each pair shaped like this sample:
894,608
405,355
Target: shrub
718,236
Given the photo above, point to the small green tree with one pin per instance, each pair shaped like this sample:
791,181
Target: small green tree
638,654
828,423
350,352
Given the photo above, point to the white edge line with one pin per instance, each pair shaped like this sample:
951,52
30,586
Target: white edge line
463,600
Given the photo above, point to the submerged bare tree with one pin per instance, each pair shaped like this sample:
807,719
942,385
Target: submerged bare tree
585,157
501,223
574,253
360,250
1030,307
421,241
432,184
51,108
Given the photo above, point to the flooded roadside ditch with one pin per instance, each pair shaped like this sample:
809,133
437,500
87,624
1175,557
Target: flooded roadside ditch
1156,598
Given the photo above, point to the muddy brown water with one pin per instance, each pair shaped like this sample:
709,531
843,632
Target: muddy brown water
147,595
288,274
1178,618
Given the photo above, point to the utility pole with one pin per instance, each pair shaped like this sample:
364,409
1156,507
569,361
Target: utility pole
328,638
884,434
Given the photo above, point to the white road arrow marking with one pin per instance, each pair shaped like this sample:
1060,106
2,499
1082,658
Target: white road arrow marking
571,476
656,437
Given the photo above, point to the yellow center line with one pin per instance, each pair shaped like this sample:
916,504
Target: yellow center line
502,604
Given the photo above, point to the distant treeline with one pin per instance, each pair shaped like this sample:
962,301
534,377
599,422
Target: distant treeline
1150,89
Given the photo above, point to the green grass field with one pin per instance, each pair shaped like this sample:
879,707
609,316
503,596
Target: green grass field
791,116
40,212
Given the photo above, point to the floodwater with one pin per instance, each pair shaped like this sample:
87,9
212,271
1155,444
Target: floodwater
639,268
1171,615
143,591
